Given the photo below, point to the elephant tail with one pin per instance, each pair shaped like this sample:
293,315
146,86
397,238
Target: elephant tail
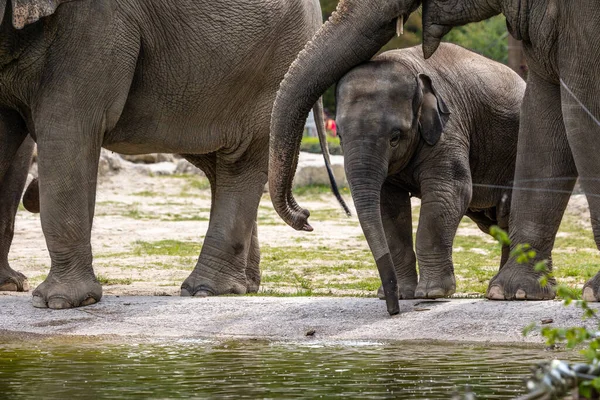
320,122
31,198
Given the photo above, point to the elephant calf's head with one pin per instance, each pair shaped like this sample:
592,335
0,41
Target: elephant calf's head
384,110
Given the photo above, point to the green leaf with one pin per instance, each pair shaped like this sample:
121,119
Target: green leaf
529,328
585,389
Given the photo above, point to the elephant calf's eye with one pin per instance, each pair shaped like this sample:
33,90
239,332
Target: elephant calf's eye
395,138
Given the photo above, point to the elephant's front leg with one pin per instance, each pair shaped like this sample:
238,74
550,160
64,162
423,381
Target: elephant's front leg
443,204
397,224
544,178
11,188
68,165
229,245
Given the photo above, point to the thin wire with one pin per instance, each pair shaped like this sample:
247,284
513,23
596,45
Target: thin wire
527,189
570,92
579,102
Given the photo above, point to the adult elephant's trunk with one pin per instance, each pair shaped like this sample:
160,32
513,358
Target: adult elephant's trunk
366,165
432,32
353,34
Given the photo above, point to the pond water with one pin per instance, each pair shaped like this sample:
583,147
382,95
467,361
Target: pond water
256,369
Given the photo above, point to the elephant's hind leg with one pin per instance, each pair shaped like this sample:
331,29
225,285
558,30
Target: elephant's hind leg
11,187
207,163
229,246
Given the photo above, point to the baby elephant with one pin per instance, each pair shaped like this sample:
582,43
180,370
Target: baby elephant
443,130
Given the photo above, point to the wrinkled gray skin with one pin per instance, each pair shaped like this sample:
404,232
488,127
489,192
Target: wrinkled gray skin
430,129
557,141
11,188
136,77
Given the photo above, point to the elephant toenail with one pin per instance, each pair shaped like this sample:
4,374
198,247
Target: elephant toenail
495,293
88,301
521,295
39,302
59,303
184,293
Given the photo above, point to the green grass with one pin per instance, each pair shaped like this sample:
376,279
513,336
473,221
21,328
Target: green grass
311,190
199,183
312,145
134,213
166,248
104,280
146,193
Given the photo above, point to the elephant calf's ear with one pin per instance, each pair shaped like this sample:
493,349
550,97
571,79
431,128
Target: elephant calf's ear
27,12
434,112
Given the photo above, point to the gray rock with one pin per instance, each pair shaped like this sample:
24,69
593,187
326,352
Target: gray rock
187,168
151,158
311,170
110,163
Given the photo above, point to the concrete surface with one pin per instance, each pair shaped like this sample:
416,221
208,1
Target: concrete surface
276,318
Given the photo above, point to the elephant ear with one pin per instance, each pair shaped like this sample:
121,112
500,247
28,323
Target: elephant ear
434,112
27,12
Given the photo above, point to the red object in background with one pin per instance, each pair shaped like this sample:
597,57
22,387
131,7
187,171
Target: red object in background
331,126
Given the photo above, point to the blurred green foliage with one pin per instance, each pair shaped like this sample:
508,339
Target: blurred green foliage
312,145
488,38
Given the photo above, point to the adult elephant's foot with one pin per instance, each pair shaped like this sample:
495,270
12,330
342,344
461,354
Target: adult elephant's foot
435,288
58,293
591,289
203,283
519,284
405,292
13,281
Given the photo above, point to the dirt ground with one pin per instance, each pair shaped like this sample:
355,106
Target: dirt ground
148,231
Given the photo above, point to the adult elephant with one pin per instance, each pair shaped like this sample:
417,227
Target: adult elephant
559,136
182,76
559,133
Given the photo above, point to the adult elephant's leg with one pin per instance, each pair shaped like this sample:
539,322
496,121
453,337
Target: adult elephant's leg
581,110
11,188
208,164
397,224
443,204
221,267
68,165
544,178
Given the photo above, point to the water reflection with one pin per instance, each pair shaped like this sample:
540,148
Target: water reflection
203,369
